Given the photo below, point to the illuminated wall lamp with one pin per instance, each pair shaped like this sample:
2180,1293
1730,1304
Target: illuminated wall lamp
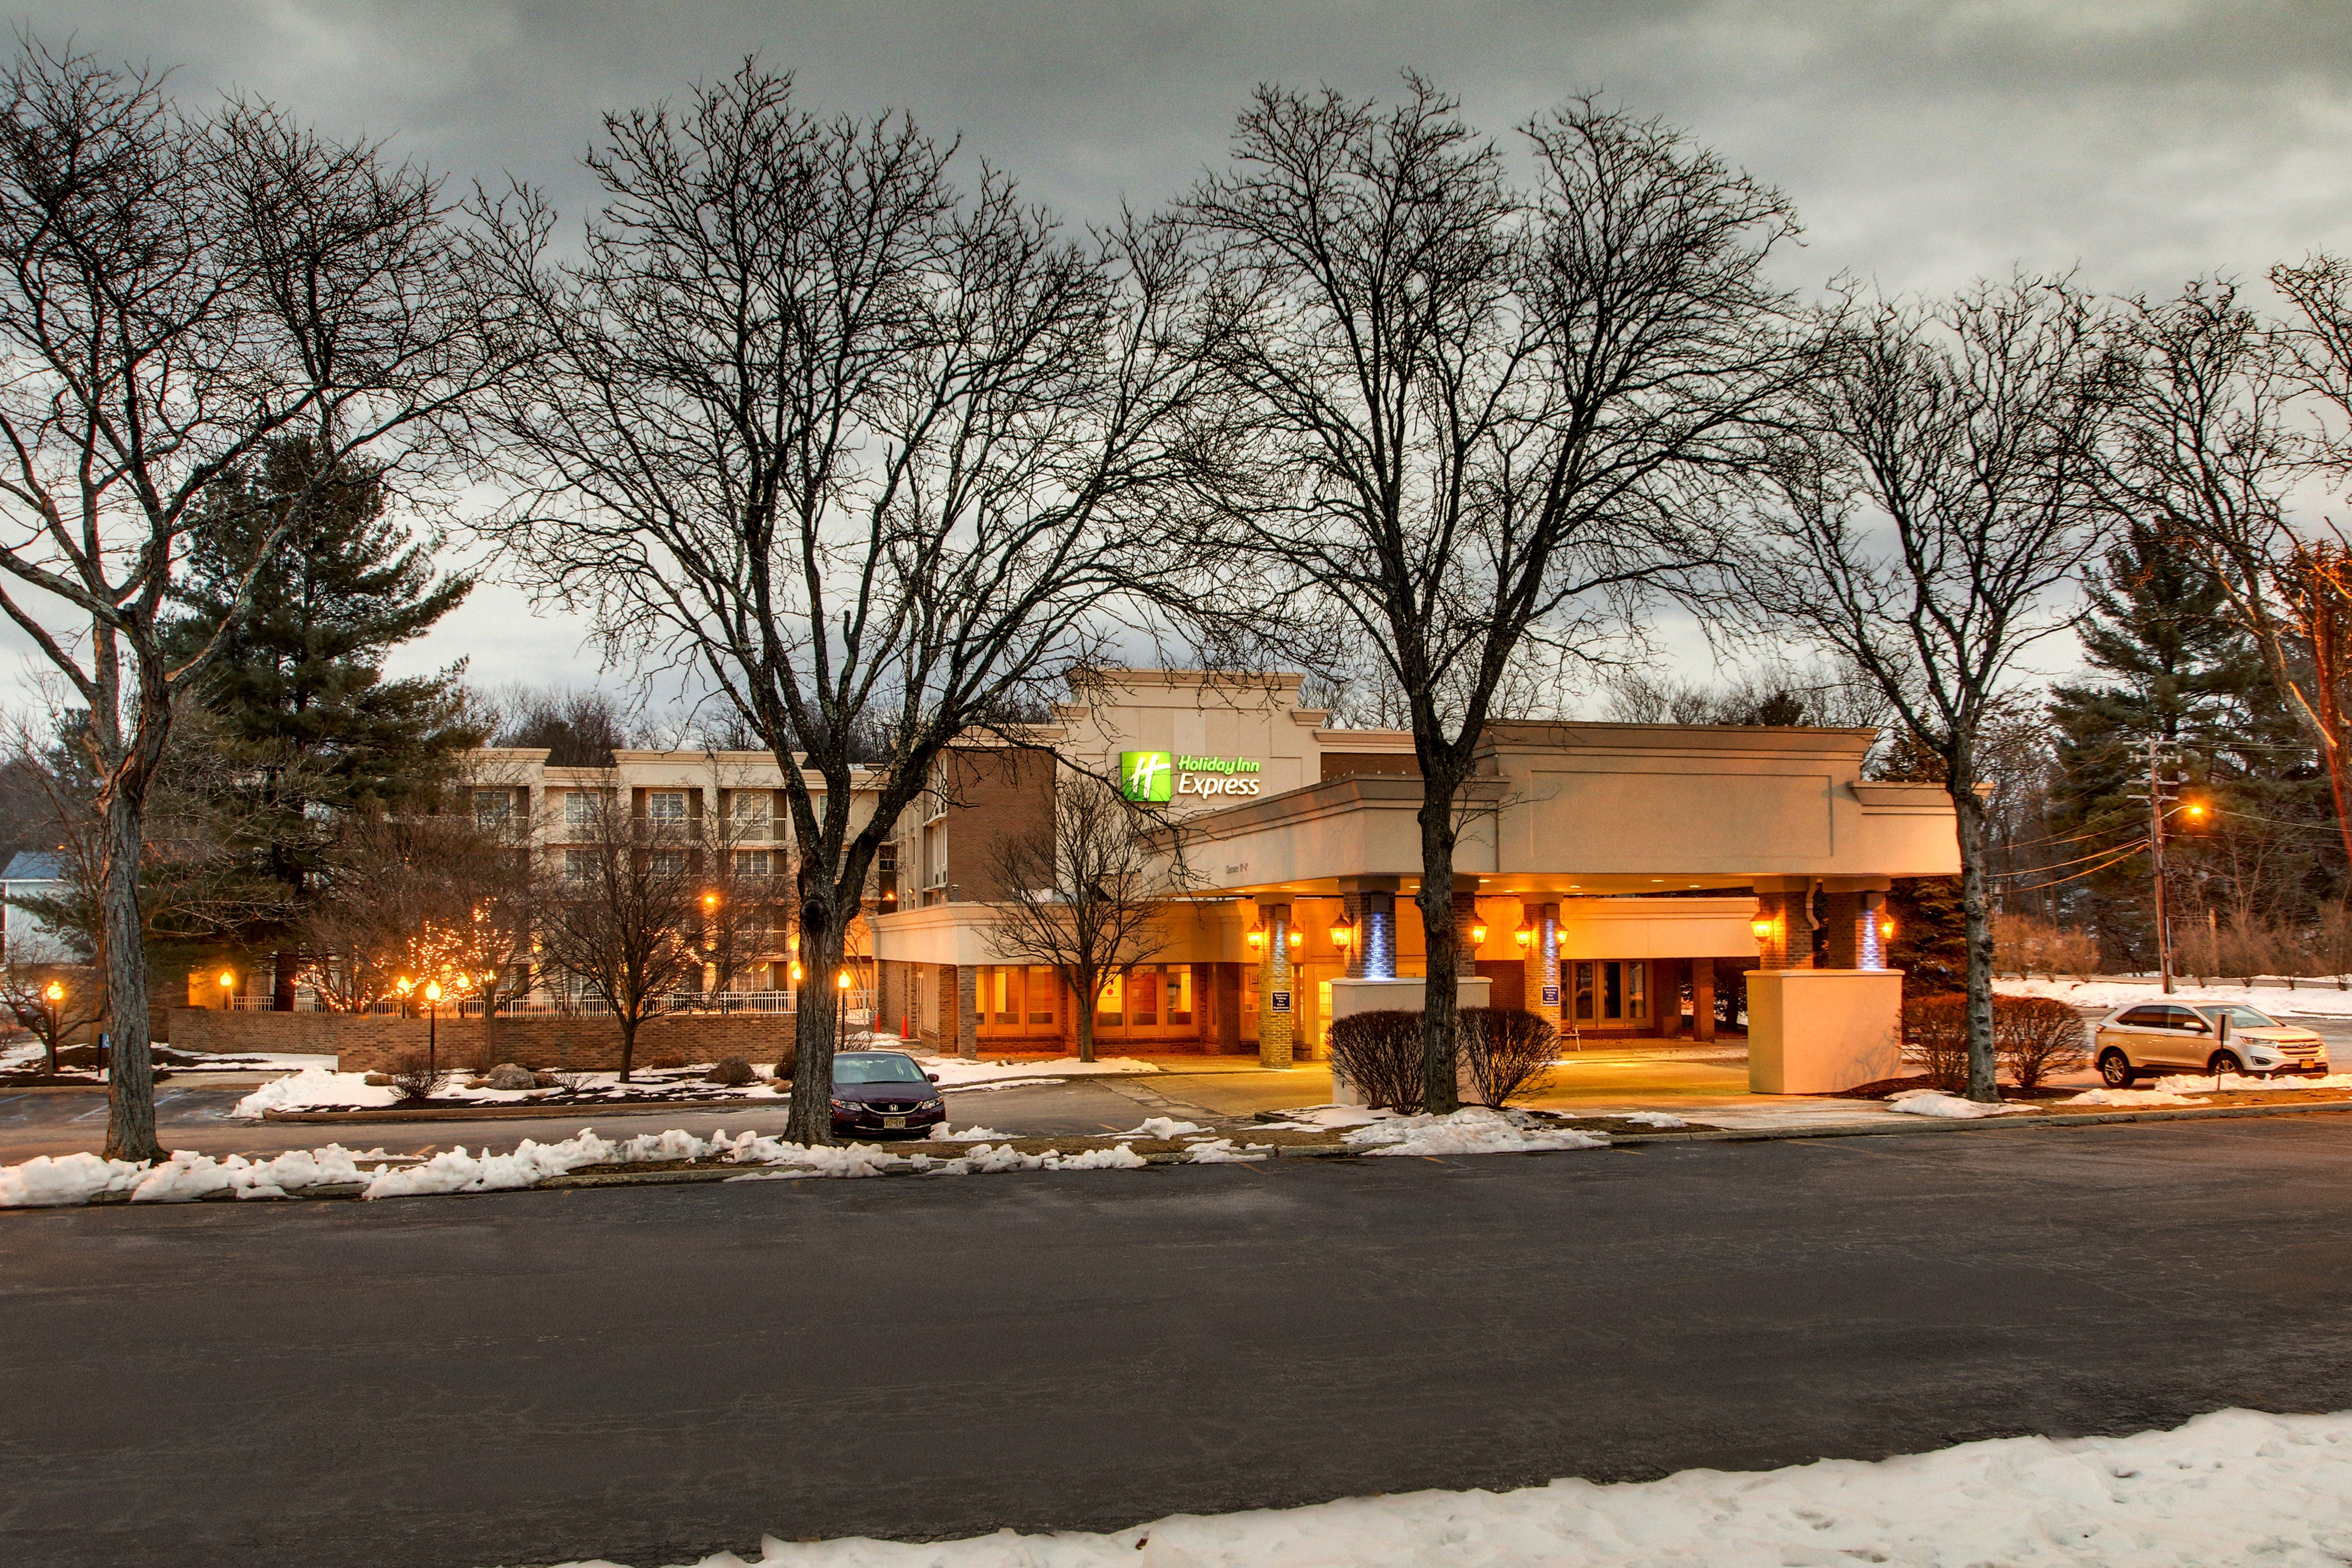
1762,928
1257,938
1343,933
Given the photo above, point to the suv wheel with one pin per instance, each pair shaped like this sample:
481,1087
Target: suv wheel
2115,1069
2224,1062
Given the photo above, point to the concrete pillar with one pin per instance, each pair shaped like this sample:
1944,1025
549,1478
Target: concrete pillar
1703,999
1277,1007
1543,960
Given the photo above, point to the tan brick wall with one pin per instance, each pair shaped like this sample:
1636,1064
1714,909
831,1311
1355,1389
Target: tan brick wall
371,1042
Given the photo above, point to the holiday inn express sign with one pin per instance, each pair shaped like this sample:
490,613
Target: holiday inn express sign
1152,777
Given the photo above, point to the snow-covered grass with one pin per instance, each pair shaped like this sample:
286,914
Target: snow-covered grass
319,1089
2237,1486
1472,1130
2312,999
955,1073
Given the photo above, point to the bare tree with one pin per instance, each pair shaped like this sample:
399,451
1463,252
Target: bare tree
43,999
621,919
177,291
1085,892
1486,420
880,457
1931,530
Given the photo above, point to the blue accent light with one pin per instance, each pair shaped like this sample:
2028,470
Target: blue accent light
1379,946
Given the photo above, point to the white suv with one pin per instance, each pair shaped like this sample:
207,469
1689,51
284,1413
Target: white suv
2182,1037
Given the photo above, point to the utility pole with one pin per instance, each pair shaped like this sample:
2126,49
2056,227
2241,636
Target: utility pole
2160,752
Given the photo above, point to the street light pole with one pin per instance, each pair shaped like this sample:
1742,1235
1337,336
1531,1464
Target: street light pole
432,1029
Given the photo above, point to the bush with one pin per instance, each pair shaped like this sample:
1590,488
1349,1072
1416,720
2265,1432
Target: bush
414,1079
733,1072
2033,1035
1936,1028
1378,1054
1509,1051
664,1061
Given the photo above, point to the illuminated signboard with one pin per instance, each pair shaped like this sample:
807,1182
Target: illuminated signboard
1149,777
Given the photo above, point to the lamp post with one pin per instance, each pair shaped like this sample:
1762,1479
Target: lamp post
53,994
841,1011
228,982
432,1028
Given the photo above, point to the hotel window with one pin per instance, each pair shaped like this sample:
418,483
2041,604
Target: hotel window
1044,985
1180,994
493,807
1110,1007
752,811
579,808
669,862
666,805
580,865
752,863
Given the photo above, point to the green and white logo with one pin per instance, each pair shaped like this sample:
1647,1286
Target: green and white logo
1147,775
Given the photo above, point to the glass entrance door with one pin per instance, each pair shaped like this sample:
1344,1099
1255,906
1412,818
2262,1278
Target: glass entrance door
1612,992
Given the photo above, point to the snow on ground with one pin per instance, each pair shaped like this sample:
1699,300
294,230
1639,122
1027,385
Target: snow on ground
2236,1486
1932,1103
2310,999
1472,1130
1333,1116
44,1183
1658,1118
1161,1127
2238,1083
1221,1151
941,1134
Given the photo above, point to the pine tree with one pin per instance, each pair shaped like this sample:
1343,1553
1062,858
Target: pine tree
299,694
2175,667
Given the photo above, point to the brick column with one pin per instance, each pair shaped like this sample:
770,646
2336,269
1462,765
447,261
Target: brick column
967,1009
1846,916
1227,979
1543,960
1465,915
1703,999
1277,1007
1788,942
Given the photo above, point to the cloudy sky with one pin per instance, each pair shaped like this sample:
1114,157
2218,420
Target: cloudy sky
1923,141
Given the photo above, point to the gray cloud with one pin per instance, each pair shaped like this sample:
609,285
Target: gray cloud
1924,143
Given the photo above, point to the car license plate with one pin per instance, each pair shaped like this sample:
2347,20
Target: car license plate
894,1121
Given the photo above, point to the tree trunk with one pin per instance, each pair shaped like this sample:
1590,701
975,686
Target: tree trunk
808,1119
1440,1019
629,1042
284,969
130,1070
1088,994
1976,907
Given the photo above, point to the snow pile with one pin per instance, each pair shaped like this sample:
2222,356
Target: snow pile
454,1171
1472,1130
44,1183
1221,1151
187,1176
989,1160
1163,1128
311,1087
941,1134
2240,1083
1931,1102
2140,1099
2232,1486
953,1072
1657,1119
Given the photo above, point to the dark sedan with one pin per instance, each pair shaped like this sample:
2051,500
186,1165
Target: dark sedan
883,1091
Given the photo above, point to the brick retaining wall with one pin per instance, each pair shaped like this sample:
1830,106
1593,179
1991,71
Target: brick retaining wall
372,1042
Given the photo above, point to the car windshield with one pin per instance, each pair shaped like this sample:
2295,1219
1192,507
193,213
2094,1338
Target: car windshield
2239,1017
876,1069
